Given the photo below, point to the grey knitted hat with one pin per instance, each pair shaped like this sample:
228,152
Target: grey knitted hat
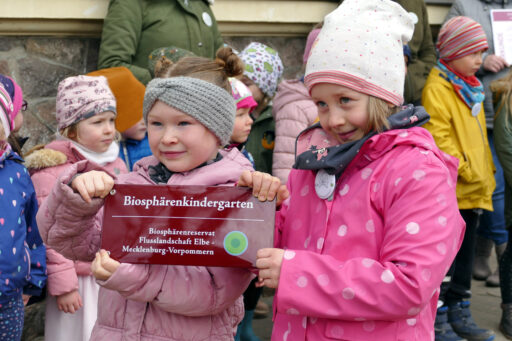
208,103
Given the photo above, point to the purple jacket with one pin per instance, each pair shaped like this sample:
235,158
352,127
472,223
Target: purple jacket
368,264
150,302
293,111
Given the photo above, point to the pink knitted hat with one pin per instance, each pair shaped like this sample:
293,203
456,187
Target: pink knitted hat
361,47
459,37
6,112
14,91
242,95
81,97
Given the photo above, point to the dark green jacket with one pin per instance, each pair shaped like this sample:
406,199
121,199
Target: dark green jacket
503,144
422,48
261,141
134,28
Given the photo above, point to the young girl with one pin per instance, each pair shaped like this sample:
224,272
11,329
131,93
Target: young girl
263,71
22,253
86,110
503,142
188,121
129,95
371,224
245,104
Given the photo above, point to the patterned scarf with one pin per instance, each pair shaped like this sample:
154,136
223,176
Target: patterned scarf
335,159
469,89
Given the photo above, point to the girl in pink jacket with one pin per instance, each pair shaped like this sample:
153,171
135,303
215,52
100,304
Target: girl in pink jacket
371,224
86,109
189,119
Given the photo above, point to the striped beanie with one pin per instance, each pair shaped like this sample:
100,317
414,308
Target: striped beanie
361,47
459,37
6,112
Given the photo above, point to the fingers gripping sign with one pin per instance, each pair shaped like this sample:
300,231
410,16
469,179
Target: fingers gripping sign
264,186
103,266
269,262
93,184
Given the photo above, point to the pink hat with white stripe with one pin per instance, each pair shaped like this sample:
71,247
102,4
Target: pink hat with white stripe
361,47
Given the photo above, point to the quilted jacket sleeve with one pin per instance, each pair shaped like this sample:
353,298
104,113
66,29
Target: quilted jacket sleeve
185,290
62,277
422,233
68,224
290,121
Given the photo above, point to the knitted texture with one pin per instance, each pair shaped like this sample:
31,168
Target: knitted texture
6,112
81,97
263,66
242,95
129,94
211,105
459,37
361,47
14,91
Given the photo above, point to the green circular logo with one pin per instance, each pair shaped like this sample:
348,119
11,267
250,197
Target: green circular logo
235,243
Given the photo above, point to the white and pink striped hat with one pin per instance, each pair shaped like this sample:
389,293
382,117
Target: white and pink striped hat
361,47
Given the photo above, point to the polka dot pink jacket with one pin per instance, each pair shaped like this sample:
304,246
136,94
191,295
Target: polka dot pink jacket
368,264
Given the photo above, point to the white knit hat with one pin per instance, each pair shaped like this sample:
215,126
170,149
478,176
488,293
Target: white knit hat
361,47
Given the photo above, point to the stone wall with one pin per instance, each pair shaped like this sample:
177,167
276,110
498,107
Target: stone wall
38,64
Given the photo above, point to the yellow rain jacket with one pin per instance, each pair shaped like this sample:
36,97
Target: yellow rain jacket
462,135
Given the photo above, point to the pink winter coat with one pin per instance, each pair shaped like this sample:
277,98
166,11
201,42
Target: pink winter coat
150,302
293,111
46,165
368,264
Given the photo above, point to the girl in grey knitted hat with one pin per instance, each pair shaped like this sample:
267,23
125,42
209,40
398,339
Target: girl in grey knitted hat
189,118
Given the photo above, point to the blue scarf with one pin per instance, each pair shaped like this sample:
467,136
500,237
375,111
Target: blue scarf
469,94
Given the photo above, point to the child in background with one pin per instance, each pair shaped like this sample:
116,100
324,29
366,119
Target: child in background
85,110
502,88
189,119
371,223
245,104
22,261
16,95
129,94
453,97
263,70
293,111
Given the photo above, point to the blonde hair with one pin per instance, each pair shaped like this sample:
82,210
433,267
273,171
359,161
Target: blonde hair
71,132
226,64
502,90
378,112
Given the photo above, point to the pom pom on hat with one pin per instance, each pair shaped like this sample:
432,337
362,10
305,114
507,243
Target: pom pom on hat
129,94
242,95
81,97
263,66
361,47
459,37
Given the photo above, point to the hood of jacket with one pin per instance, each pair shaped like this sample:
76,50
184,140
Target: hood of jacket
289,91
55,153
209,175
380,144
